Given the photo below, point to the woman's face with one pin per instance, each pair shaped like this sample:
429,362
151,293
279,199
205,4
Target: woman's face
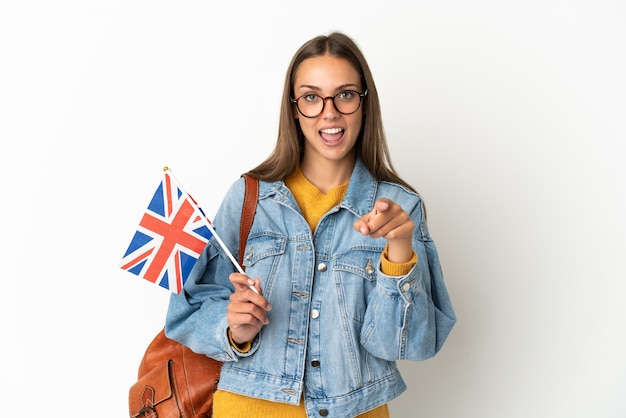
330,136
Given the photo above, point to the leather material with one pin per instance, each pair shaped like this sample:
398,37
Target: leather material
172,380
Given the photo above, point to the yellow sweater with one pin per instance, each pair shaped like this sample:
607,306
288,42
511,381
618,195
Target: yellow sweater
313,204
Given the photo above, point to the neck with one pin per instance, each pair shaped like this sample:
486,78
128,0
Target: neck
327,174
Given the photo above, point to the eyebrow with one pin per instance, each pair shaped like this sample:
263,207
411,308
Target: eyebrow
346,86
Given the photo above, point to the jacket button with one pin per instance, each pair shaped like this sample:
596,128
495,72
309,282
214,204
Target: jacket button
321,267
315,314
406,287
315,363
323,412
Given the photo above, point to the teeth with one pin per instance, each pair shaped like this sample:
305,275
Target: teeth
331,131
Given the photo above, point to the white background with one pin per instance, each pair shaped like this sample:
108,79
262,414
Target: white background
508,117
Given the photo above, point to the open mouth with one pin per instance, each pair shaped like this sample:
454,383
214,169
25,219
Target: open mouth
331,135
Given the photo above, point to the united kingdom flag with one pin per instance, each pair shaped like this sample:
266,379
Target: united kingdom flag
170,237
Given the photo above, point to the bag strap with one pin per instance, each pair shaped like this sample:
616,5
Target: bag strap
247,213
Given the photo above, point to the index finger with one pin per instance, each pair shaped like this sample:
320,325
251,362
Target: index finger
243,282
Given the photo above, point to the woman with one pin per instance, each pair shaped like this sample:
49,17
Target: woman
345,275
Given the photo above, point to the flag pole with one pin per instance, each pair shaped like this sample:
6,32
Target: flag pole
213,232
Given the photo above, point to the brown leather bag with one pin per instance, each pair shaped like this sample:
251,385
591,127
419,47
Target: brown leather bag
173,381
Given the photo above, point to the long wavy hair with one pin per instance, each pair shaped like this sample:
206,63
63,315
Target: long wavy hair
371,145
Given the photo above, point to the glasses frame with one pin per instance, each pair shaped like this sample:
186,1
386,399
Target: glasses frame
324,99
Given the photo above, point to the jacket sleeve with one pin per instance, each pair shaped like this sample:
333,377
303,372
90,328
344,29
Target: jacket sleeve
196,317
410,317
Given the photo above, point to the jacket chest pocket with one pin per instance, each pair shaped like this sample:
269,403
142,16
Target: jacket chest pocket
355,277
263,251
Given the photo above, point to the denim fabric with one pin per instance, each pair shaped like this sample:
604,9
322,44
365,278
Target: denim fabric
338,324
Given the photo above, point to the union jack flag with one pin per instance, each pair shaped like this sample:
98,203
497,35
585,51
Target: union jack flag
170,237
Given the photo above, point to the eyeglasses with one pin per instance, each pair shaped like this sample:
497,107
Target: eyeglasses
346,102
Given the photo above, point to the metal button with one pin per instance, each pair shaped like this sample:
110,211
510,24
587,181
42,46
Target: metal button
323,412
315,363
406,287
315,314
321,267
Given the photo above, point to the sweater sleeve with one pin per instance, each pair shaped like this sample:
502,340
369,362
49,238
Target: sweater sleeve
242,348
396,269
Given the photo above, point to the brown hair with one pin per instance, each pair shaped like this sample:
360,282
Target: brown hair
371,145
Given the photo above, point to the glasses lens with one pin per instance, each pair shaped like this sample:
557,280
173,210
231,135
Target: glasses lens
347,102
310,105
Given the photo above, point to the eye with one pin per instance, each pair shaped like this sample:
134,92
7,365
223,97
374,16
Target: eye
310,98
347,95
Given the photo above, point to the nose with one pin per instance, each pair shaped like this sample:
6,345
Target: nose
332,108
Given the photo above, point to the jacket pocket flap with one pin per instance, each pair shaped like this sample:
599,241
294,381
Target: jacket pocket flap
260,246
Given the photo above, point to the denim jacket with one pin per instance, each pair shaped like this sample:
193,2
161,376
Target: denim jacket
337,323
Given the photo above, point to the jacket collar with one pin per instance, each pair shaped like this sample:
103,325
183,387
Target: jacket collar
359,198
361,193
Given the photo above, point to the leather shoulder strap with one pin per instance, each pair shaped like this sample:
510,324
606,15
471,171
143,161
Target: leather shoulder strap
247,214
